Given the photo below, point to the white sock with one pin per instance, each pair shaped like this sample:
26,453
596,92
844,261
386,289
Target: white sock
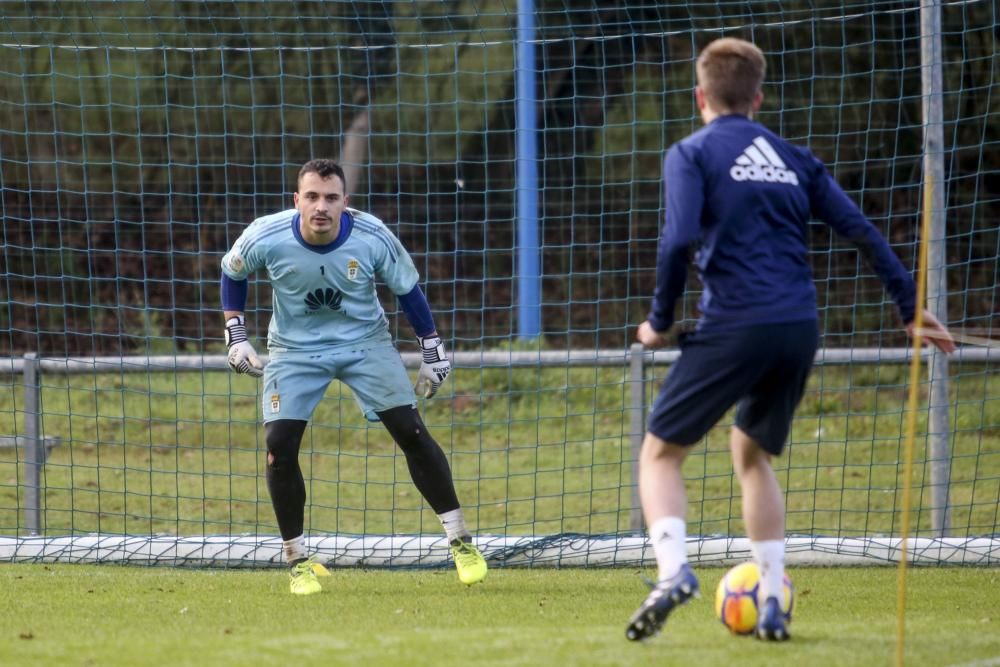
453,523
668,536
770,558
294,549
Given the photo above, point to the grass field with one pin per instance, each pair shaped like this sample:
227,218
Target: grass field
533,452
106,616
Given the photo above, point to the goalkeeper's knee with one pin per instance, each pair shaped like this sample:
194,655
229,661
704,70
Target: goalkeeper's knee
284,437
407,429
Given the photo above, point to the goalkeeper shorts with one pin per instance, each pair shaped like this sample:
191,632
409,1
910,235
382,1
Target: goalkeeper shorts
295,381
761,369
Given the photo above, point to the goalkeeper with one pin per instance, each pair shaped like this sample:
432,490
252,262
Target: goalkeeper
322,259
747,196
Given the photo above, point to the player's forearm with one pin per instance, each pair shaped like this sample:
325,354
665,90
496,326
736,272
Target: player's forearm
841,213
671,274
875,249
684,194
898,282
234,296
418,312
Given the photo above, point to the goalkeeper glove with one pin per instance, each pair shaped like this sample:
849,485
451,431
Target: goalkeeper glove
242,357
434,368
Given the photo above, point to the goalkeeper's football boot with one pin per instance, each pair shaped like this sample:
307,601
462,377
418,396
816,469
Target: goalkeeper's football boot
304,577
665,596
469,562
771,625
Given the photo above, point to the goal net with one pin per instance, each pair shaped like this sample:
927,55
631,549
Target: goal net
137,140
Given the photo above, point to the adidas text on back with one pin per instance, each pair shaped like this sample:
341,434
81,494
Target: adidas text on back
760,163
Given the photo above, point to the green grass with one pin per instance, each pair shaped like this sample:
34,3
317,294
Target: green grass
112,615
533,452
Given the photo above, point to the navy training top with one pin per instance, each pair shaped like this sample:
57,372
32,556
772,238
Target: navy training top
747,195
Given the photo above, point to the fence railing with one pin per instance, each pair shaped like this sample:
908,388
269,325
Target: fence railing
36,445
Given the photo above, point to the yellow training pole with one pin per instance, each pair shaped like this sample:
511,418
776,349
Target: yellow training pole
911,418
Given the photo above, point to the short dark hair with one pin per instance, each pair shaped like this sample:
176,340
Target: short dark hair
730,72
325,168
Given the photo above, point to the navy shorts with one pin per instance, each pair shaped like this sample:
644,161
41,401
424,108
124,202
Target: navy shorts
762,369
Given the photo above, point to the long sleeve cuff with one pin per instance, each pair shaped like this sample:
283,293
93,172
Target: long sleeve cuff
234,293
418,311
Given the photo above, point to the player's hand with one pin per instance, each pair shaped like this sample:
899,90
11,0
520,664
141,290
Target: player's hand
434,368
242,357
649,337
934,332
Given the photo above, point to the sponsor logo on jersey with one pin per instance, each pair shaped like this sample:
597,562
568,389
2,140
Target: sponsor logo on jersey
760,163
324,297
352,269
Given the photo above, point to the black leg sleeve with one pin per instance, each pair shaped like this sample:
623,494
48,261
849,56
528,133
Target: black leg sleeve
284,476
424,457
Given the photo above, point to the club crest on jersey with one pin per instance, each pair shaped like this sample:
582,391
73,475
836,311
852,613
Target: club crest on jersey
760,163
352,269
275,404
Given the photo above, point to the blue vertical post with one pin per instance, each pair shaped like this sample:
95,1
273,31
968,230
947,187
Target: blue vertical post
528,274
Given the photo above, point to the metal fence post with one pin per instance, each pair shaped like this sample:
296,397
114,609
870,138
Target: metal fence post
637,425
938,423
34,448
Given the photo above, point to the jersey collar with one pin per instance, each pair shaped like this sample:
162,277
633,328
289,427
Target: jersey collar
346,225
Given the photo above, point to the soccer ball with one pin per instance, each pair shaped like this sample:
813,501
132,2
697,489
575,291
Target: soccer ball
736,599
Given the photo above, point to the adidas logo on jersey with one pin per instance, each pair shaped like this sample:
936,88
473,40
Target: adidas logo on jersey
761,164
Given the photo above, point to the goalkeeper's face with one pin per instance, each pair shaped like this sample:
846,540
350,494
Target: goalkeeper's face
320,203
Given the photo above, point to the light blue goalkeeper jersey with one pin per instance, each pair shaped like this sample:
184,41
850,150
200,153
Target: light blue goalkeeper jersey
324,296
